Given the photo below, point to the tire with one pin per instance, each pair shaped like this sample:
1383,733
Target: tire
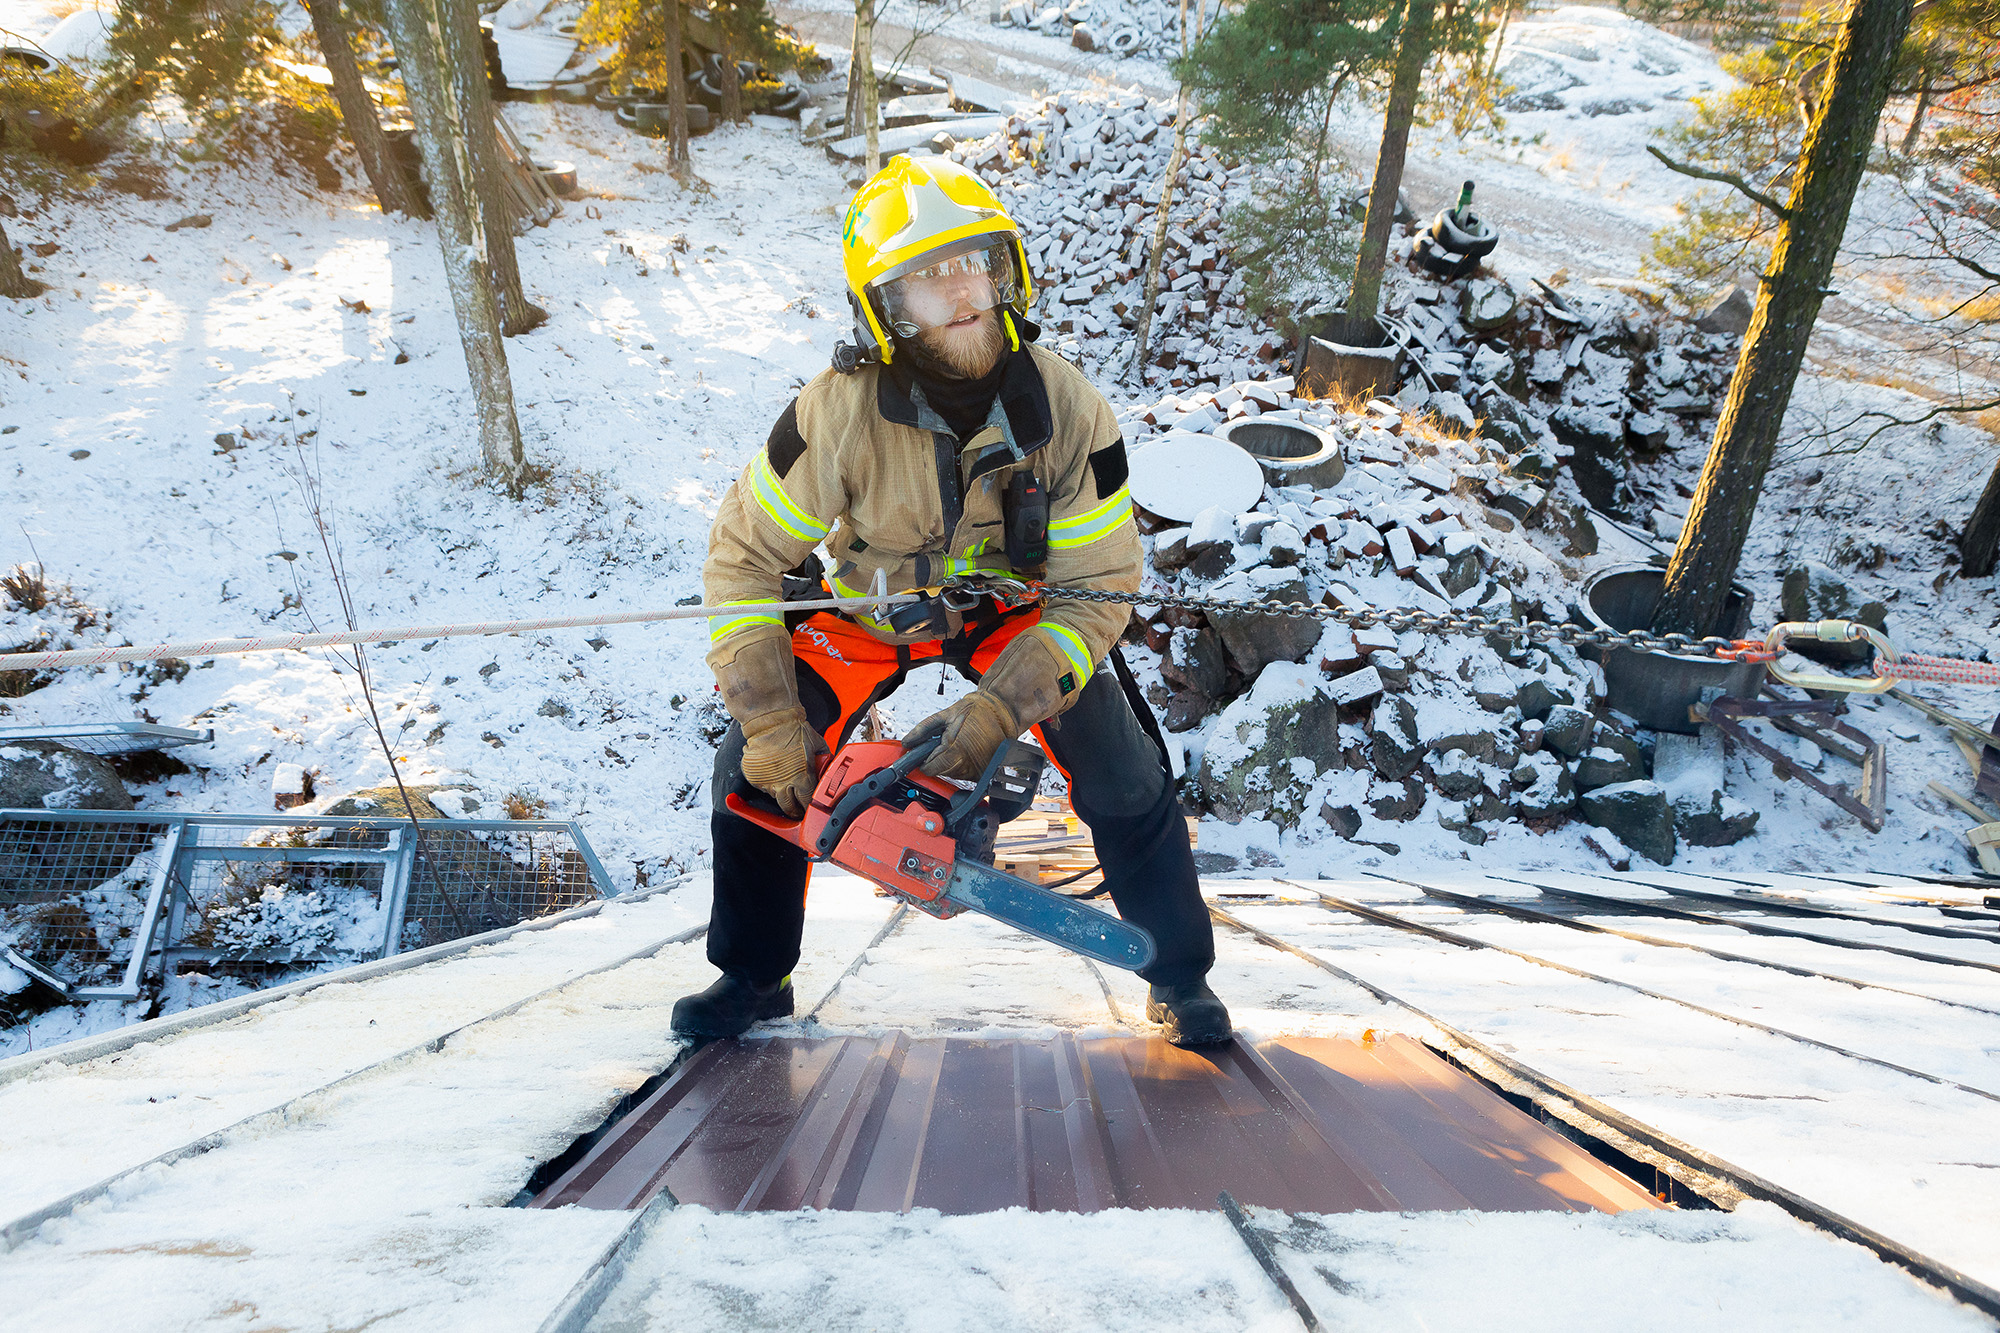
1124,41
1475,243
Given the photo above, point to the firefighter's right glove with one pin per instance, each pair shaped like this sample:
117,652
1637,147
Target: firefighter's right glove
761,691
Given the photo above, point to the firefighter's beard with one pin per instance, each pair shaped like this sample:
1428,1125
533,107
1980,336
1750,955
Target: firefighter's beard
967,350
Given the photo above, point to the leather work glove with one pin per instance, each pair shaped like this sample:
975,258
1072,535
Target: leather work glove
1024,686
761,691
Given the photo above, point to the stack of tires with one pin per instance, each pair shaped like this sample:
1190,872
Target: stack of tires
1454,243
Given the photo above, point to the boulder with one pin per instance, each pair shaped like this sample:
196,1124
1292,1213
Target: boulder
1256,640
1393,745
1342,819
36,775
1727,313
1457,774
1193,661
1646,432
1390,669
1601,463
1397,800
1488,305
1612,759
1813,591
1567,730
1185,710
1723,822
1269,746
1536,698
1638,813
1543,787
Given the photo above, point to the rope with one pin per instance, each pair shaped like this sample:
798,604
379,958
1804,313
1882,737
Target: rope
279,642
1948,670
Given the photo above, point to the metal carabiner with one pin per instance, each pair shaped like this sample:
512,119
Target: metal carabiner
1833,631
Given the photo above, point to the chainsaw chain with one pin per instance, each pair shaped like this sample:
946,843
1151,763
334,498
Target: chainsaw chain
1468,623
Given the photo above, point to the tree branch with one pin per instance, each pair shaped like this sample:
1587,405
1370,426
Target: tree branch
1728,178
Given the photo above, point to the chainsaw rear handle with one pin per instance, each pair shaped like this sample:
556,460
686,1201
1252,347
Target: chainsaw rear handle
846,804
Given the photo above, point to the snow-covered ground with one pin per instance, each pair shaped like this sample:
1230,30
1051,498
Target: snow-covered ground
161,404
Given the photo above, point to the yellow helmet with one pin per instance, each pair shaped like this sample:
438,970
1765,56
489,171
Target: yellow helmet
915,214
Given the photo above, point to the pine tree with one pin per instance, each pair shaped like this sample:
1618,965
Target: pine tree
1847,108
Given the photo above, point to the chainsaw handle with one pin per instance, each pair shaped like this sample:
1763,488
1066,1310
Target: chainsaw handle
858,797
782,825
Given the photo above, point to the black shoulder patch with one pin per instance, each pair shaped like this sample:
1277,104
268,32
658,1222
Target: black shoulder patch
786,444
1108,466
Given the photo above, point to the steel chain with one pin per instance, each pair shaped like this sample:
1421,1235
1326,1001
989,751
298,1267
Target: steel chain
1467,623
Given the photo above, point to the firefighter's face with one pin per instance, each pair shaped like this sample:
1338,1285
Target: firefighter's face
969,344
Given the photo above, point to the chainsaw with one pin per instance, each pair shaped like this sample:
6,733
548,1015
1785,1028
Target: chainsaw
930,843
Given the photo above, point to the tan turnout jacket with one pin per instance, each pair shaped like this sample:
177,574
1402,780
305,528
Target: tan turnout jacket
860,469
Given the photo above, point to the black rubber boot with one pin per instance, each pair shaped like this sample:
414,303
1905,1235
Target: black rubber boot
1190,1013
730,1006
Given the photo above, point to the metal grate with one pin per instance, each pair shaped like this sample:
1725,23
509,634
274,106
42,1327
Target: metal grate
78,898
81,893
110,738
462,883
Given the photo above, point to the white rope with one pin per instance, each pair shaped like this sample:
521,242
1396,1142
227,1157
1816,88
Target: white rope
878,601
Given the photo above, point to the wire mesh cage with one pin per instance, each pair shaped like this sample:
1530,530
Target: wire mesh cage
83,893
77,896
465,882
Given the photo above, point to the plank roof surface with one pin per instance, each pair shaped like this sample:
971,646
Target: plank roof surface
1066,1124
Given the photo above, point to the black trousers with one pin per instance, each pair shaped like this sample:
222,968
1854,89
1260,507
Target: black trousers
1117,787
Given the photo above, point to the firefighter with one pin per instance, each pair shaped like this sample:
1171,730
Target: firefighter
945,446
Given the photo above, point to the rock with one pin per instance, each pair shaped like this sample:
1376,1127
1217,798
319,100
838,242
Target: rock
1393,747
1537,697
1193,661
1186,709
1813,591
1721,823
1255,640
1646,432
1397,800
1605,843
387,801
1462,571
36,775
1457,774
1601,463
1613,758
1269,746
1283,545
1508,416
1452,409
1170,550
1390,669
1082,38
193,221
1485,746
1543,788
1566,730
1727,313
1342,819
1638,813
1488,305
1355,686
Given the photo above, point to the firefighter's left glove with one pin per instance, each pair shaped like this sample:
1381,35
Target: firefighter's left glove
761,691
1029,682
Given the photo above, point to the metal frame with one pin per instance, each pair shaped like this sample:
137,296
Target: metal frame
110,738
178,854
1816,720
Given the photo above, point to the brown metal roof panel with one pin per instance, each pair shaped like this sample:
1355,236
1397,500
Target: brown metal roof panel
967,1126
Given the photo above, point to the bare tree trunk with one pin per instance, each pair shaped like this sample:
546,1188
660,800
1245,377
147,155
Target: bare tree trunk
465,56
1156,253
1413,49
867,105
417,29
1979,545
13,281
1916,129
393,190
730,80
679,162
1774,347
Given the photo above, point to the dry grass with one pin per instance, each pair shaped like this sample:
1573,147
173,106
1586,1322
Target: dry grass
26,588
520,805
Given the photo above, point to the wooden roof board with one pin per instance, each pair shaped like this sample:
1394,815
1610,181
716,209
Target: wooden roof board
1064,1124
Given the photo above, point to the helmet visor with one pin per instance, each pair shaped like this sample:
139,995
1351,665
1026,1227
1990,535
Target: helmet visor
933,291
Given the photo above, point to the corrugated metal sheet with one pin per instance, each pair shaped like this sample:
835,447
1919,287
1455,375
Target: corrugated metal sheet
884,1124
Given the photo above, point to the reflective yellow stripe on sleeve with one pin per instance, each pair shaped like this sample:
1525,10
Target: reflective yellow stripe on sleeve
1083,529
721,627
1073,648
771,498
